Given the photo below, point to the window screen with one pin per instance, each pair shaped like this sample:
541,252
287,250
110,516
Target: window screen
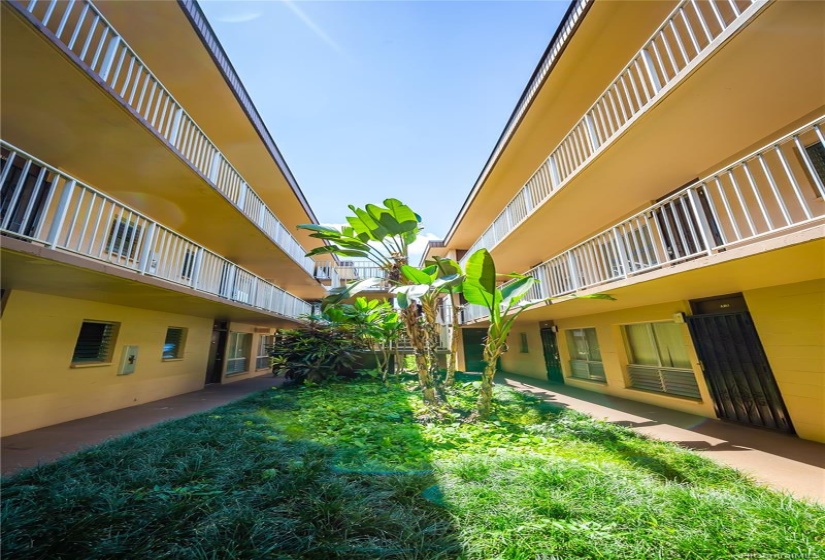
95,342
173,344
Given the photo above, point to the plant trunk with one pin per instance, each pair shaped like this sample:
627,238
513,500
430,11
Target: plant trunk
492,351
452,357
418,340
433,339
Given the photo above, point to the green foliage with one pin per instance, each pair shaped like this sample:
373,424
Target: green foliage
380,234
362,472
316,353
375,322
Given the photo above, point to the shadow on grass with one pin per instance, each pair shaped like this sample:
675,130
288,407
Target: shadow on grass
229,483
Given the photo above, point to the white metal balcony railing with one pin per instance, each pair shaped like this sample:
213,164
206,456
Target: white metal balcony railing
693,29
779,187
39,203
81,28
339,274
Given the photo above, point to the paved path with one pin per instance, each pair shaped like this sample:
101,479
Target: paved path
47,444
781,461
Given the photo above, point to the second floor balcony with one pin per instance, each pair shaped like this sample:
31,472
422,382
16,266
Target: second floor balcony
104,140
713,78
47,207
336,274
775,190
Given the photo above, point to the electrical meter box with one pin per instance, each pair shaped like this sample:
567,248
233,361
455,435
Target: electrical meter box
128,360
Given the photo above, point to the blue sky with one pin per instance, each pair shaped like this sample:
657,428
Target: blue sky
376,99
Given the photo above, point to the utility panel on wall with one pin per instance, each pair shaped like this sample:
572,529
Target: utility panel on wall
128,360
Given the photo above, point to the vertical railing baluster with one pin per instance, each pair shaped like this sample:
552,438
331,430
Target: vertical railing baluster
719,225
78,26
702,21
38,184
62,25
757,195
680,44
809,165
85,227
705,233
689,29
148,253
740,199
794,184
56,178
60,213
89,35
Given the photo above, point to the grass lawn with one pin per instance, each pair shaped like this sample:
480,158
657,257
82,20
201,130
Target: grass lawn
352,471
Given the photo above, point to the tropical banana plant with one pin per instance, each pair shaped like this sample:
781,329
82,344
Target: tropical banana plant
427,286
449,267
418,300
382,235
379,234
504,306
480,288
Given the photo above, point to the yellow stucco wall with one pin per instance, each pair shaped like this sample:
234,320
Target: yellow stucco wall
39,386
790,320
530,363
615,359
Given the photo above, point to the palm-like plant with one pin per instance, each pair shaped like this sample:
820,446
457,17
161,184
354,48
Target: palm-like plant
480,288
379,234
376,322
382,235
424,287
504,306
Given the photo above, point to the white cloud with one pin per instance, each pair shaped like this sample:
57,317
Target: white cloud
314,27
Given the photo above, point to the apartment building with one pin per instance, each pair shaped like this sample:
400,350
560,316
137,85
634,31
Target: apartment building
148,219
670,154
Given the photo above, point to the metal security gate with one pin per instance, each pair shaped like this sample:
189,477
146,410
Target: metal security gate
551,355
737,370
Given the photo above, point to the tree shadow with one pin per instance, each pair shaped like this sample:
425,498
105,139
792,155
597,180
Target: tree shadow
707,446
228,483
737,436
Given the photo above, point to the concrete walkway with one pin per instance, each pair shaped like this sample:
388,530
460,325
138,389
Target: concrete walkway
781,461
28,449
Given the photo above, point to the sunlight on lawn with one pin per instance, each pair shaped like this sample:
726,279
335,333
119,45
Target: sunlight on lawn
356,471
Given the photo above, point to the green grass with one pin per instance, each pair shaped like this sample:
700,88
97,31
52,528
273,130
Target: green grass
352,472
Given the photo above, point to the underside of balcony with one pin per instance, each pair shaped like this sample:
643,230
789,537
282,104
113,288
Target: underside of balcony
187,76
34,268
749,89
787,259
53,108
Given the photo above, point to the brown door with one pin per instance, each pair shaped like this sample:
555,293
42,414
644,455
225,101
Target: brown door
214,367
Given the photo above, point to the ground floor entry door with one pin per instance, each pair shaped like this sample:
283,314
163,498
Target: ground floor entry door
736,368
214,367
473,343
551,355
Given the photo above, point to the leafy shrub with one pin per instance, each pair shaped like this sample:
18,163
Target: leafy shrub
316,353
